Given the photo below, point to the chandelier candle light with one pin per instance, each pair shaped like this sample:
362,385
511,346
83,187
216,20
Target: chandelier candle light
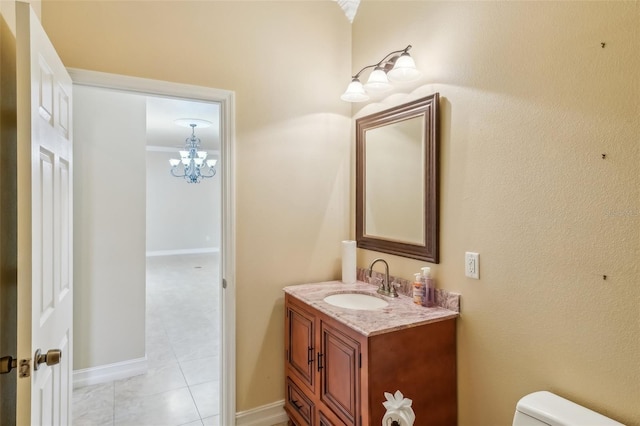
397,66
193,165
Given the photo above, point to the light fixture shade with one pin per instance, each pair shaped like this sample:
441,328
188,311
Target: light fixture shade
211,163
186,161
404,69
174,162
198,161
202,154
378,81
355,92
184,154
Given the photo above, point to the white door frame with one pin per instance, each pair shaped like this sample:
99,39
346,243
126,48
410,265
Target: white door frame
226,99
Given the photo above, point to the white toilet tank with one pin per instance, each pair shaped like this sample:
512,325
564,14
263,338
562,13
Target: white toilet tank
545,408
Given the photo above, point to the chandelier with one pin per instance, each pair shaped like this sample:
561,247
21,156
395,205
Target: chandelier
193,165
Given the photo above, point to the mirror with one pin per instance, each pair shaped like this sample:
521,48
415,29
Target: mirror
397,189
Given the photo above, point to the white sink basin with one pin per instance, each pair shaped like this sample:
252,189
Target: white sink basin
358,301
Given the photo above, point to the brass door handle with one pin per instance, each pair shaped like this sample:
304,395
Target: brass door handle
52,357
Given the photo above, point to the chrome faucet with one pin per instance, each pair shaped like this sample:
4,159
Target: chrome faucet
385,288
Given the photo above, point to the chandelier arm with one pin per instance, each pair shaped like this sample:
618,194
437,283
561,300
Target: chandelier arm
212,172
173,170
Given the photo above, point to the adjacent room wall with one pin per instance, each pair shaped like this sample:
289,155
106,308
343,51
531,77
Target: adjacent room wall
182,217
109,227
530,100
294,160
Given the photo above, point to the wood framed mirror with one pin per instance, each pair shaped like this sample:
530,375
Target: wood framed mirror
397,180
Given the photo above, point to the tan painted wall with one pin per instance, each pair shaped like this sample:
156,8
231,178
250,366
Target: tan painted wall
530,101
287,63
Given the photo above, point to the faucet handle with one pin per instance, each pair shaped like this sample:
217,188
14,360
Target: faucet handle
393,292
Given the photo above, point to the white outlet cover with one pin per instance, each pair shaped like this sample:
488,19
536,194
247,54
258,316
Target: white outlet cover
472,265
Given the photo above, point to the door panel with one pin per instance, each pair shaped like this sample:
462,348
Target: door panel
45,286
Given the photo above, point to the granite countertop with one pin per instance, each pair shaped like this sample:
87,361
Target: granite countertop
400,313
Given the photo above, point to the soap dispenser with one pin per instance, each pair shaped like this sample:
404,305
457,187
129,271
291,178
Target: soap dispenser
429,288
418,290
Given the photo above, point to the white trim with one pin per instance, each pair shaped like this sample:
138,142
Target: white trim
182,251
228,264
109,372
265,415
226,99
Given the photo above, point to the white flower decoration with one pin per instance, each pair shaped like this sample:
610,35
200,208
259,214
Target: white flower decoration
396,401
399,411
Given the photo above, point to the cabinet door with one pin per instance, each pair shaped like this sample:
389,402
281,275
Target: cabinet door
300,328
339,366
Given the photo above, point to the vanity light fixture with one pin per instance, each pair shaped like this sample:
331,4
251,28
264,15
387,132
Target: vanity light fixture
396,66
193,165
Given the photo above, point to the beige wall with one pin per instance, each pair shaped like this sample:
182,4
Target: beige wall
171,200
529,102
109,227
287,63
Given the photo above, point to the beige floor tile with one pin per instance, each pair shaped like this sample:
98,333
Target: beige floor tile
183,351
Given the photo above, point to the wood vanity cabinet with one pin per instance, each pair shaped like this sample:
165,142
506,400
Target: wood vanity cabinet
336,376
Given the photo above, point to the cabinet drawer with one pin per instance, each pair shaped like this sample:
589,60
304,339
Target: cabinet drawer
298,403
328,420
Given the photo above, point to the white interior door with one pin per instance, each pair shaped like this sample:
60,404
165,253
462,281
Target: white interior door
45,289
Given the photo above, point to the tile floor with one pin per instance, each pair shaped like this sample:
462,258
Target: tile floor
183,347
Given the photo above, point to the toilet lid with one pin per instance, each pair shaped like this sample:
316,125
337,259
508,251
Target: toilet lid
555,410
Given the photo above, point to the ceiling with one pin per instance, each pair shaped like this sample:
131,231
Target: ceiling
162,113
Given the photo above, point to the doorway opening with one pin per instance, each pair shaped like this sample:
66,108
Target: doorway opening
190,258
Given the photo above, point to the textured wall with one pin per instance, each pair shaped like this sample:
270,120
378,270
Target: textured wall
287,63
530,100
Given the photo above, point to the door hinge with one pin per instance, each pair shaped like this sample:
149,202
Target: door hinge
224,283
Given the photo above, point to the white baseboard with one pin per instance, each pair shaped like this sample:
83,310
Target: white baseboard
183,251
109,372
266,415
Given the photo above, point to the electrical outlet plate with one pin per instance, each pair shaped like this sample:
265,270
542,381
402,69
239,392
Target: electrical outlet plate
472,265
